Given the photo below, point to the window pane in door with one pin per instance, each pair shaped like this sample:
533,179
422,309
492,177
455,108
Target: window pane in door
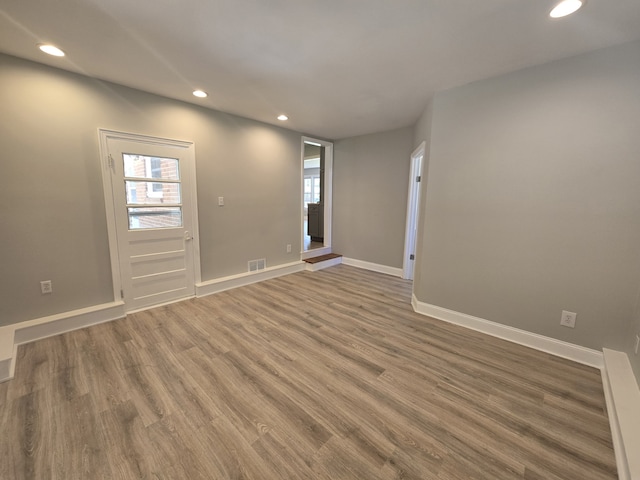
150,193
154,217
143,166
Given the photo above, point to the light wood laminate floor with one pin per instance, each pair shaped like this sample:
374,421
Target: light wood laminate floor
324,375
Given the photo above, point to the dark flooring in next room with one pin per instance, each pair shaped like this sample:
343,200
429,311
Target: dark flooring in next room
323,375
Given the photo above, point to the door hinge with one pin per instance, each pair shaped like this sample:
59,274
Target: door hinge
121,293
418,178
110,161
412,257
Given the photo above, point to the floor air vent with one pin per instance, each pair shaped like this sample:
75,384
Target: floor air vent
255,265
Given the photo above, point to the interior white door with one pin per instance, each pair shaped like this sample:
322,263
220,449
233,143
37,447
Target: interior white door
151,185
413,208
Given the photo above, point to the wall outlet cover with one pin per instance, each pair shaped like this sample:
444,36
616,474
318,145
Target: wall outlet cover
568,319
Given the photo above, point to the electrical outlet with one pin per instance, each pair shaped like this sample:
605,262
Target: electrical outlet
568,319
221,201
46,287
635,349
288,248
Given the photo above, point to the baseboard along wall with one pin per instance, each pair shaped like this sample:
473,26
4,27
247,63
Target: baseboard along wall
7,353
622,395
550,345
623,406
234,281
374,267
15,335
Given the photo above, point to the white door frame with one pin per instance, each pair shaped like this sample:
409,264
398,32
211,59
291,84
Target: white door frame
327,198
413,211
114,253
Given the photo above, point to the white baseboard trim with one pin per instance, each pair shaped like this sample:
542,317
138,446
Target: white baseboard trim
6,365
550,345
618,444
227,283
7,356
39,328
623,405
314,267
374,267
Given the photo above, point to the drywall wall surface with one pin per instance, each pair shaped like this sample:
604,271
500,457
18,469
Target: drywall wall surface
52,212
370,187
422,128
256,168
532,204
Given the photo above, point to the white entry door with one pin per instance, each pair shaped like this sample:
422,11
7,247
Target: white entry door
153,189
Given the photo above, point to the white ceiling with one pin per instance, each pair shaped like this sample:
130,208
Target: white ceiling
338,68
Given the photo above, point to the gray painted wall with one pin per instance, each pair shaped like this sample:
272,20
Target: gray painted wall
422,128
533,203
370,187
52,212
422,133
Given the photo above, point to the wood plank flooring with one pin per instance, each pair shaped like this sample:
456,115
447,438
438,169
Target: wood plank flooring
324,375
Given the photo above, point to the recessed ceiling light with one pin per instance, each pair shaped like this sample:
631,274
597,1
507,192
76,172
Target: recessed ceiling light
200,93
283,118
566,7
51,50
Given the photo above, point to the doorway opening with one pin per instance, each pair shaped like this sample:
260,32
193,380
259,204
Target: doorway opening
317,168
413,212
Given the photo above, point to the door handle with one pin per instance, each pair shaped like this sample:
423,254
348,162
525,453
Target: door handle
187,236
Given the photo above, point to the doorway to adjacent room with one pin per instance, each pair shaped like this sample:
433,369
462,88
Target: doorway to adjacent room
317,168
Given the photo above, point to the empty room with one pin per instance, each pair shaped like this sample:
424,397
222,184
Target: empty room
320,240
